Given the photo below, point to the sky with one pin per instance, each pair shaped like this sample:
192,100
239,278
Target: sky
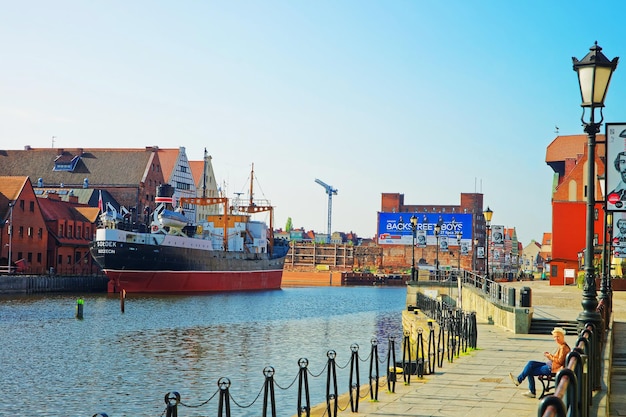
429,99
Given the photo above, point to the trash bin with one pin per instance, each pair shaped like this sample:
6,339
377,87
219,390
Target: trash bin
525,297
512,297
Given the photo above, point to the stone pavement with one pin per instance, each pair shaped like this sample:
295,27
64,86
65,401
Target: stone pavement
477,383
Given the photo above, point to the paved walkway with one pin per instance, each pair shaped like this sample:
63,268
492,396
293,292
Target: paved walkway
477,384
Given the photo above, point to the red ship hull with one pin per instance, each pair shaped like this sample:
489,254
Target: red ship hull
192,281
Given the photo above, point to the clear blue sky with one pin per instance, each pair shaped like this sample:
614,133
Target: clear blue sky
425,98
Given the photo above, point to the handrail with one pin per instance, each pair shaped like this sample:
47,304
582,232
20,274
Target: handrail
576,382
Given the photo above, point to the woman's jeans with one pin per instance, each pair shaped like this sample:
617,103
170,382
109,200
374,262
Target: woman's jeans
532,369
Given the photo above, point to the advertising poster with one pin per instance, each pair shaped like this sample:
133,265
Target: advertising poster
616,166
497,235
480,252
421,239
443,243
395,228
618,242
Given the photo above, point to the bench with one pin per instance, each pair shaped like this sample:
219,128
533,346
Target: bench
547,381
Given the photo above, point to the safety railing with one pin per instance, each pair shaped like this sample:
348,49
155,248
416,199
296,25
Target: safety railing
576,382
222,399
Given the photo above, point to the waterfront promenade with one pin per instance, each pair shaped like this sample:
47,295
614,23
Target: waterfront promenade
477,384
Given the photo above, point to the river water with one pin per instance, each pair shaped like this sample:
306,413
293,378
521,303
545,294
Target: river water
123,364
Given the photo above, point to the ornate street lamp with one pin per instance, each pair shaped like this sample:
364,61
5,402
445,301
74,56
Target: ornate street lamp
594,75
488,215
437,231
414,230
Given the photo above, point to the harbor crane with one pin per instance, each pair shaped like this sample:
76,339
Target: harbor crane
330,191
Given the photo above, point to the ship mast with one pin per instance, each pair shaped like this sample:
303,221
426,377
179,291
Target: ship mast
251,186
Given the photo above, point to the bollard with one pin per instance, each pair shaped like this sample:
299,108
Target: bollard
122,298
79,308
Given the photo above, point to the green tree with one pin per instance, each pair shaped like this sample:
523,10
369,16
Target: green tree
289,225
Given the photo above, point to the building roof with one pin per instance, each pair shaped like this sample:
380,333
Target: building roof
10,189
52,209
197,168
570,146
99,166
168,158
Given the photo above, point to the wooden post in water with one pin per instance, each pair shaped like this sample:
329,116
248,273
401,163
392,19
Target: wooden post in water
122,298
79,308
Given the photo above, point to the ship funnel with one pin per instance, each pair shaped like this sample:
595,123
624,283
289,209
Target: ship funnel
164,195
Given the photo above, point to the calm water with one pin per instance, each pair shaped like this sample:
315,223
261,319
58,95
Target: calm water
123,364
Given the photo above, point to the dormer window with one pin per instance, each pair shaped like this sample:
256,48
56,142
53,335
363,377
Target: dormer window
65,163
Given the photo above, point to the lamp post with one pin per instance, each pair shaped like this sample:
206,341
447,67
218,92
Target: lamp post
10,231
437,231
594,75
414,230
488,215
459,236
475,255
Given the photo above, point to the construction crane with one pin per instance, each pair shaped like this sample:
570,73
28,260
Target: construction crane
330,191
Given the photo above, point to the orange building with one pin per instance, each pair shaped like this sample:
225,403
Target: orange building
567,156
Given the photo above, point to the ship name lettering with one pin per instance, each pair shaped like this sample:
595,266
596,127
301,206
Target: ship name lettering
107,244
106,250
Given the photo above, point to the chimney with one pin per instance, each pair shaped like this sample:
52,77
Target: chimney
27,148
73,199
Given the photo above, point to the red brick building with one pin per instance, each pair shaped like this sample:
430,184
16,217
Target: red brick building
567,156
24,230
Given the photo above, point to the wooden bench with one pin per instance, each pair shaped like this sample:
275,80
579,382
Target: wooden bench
547,381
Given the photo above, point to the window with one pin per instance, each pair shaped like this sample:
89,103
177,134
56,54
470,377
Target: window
21,231
38,257
61,230
32,206
182,168
30,232
69,259
22,205
87,233
554,270
77,257
40,233
60,260
70,231
79,232
20,255
30,257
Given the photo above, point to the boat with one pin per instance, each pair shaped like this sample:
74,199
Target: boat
228,251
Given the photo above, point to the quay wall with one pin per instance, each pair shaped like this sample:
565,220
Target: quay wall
515,319
35,284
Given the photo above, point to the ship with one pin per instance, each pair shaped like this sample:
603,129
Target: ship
227,251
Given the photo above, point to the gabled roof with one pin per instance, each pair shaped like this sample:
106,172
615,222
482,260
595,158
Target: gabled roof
197,168
100,166
168,158
57,210
570,146
10,190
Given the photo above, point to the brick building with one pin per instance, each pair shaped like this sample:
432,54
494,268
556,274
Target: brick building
471,203
567,156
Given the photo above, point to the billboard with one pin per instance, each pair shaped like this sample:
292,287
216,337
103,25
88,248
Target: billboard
395,229
616,166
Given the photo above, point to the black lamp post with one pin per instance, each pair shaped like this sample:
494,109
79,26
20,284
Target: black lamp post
475,255
459,236
488,215
437,231
414,230
594,75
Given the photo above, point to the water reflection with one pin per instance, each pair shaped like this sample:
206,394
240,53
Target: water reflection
123,364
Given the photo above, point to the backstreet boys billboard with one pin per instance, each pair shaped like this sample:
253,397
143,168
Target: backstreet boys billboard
616,166
395,229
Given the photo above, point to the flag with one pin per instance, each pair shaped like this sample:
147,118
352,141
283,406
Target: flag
100,205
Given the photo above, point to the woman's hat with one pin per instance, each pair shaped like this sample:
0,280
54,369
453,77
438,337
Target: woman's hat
558,330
